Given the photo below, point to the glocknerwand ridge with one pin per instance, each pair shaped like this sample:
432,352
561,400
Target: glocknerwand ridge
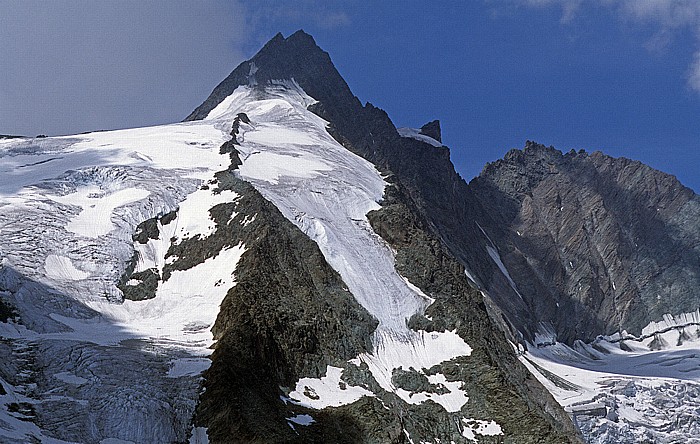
286,265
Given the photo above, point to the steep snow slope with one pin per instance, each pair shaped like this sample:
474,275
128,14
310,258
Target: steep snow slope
327,191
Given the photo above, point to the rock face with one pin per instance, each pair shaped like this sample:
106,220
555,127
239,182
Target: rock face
608,242
432,129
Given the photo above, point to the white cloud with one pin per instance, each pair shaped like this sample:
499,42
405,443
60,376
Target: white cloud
668,17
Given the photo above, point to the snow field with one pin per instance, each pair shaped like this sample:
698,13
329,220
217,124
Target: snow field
644,393
95,218
327,391
62,268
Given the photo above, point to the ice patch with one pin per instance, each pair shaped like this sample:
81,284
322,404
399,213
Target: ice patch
70,378
188,367
95,219
303,420
199,436
414,133
62,268
270,167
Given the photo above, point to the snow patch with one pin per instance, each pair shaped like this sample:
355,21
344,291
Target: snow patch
95,219
497,260
414,133
420,351
327,391
473,427
193,218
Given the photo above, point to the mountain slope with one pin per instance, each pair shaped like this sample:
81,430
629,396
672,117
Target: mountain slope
533,289
121,246
609,242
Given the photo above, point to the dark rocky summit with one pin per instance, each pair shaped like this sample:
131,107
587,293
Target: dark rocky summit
610,243
427,207
432,129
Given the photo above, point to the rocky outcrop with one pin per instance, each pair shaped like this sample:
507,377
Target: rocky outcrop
498,385
289,316
432,129
6,311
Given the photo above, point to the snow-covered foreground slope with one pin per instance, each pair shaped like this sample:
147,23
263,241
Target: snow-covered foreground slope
644,389
84,363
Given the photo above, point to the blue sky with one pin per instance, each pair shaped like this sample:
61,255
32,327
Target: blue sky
620,76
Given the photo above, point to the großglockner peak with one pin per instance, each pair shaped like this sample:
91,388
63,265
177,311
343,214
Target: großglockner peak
277,269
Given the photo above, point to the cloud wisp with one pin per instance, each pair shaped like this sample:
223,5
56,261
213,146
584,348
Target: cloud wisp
668,18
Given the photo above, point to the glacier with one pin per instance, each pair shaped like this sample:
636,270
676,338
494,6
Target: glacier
98,368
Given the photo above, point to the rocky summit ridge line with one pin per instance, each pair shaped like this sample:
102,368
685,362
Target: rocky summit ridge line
352,286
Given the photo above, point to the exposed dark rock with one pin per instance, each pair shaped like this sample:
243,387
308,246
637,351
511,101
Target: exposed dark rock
499,386
145,289
168,217
432,129
6,312
415,382
146,230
